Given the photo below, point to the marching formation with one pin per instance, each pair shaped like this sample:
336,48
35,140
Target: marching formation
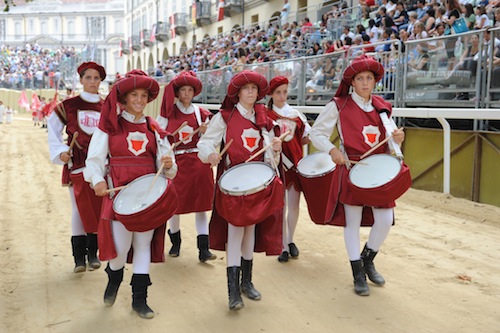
130,176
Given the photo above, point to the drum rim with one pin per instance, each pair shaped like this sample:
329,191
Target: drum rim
357,166
319,174
129,184
250,191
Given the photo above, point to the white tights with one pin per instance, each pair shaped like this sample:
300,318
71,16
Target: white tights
290,216
141,242
201,221
240,243
76,221
383,219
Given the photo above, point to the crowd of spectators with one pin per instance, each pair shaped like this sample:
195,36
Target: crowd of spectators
32,66
339,29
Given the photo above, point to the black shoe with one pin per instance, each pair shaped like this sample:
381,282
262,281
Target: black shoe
294,251
283,257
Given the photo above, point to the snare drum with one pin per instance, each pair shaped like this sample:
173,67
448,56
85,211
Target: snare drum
248,193
141,209
379,179
316,179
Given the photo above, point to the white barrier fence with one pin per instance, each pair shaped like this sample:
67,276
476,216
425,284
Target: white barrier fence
425,113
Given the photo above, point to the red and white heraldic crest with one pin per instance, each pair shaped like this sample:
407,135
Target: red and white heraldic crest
184,134
371,134
250,138
88,121
137,142
287,125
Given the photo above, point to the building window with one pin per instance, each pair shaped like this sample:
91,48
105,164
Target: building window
96,27
2,29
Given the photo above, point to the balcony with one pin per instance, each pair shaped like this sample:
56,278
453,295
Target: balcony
162,32
181,23
136,42
146,37
124,47
233,7
203,13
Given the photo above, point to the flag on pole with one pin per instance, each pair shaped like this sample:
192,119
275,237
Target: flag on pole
152,37
141,36
35,102
23,101
49,107
120,51
220,14
172,26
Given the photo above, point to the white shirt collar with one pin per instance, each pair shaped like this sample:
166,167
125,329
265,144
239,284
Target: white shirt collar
91,98
284,111
360,101
131,118
248,114
183,109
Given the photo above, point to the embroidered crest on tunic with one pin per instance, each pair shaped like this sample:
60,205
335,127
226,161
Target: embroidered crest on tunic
137,142
250,138
88,121
371,134
184,134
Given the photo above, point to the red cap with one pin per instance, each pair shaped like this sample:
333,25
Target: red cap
362,63
276,82
86,65
187,79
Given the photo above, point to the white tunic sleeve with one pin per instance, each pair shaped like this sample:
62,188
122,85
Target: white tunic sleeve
95,164
323,128
212,138
56,145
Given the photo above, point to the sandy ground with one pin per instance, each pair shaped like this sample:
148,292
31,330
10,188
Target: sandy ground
441,262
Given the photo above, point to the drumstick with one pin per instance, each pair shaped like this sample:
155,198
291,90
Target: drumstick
179,128
73,141
156,177
116,189
186,138
356,162
375,148
281,137
225,148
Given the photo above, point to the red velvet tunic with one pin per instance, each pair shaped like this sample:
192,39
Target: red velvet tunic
292,145
83,117
247,140
194,182
132,151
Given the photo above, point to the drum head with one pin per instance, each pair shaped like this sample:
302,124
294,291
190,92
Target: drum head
247,178
375,171
315,165
137,196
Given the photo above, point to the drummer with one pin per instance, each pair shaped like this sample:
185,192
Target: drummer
295,121
194,182
355,115
250,128
86,206
135,146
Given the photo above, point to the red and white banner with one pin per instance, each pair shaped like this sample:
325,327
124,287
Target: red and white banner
152,37
23,101
120,53
172,27
35,102
220,14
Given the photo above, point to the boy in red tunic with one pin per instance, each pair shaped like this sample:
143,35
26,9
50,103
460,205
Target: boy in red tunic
360,128
194,183
79,116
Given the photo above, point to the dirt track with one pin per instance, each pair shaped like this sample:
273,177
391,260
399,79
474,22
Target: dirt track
441,262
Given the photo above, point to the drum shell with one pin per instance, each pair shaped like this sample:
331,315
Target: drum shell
252,208
317,190
385,193
154,215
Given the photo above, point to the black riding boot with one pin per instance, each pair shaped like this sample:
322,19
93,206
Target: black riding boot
115,278
140,283
233,286
203,245
368,255
358,272
79,245
94,262
175,238
247,287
